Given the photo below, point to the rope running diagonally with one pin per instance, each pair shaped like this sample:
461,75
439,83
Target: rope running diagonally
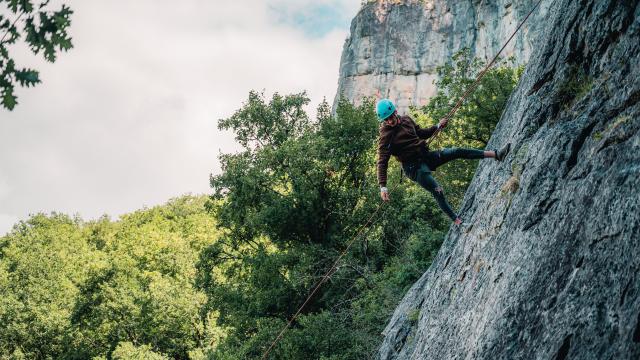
328,274
475,84
326,277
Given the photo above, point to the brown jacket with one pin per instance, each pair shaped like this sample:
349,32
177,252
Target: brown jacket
406,145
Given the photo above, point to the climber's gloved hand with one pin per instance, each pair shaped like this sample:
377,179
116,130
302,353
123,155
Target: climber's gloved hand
384,193
443,123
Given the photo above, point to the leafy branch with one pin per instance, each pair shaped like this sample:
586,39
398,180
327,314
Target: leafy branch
43,31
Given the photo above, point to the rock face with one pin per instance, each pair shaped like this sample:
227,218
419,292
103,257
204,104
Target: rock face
396,45
547,264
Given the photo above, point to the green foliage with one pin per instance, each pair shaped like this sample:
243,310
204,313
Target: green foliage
289,202
575,86
127,351
41,264
616,124
76,290
414,315
43,31
473,123
176,282
297,193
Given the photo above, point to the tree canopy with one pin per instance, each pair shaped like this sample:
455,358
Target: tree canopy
76,290
218,277
289,204
297,193
473,124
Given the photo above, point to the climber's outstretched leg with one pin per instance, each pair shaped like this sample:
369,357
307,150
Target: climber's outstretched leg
426,180
443,156
437,158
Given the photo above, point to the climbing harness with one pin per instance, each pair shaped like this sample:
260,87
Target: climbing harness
362,231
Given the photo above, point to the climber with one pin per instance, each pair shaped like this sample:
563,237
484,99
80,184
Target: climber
401,137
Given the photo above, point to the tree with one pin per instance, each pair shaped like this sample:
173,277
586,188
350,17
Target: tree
297,193
475,120
473,123
41,263
288,203
78,290
44,31
176,282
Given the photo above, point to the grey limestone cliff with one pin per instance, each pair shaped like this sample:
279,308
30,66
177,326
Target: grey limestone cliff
547,263
396,45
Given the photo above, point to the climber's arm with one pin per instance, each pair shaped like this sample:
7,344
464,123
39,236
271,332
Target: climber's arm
426,132
430,131
384,154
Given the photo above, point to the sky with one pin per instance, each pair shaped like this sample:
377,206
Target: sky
128,118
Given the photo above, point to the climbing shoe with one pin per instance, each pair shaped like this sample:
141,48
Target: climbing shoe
502,153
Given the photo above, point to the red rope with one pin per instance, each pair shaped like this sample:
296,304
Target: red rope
371,218
326,277
475,84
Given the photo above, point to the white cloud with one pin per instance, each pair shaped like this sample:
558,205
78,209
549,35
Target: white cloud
128,117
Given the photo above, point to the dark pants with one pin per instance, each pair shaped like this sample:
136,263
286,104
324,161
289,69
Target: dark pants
420,171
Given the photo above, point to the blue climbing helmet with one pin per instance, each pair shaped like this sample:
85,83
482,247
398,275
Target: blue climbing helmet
384,109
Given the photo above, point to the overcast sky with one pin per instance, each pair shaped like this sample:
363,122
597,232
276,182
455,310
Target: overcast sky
128,118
